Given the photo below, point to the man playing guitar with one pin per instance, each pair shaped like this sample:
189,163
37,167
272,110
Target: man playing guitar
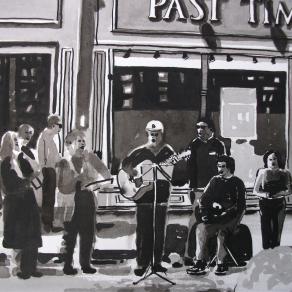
156,151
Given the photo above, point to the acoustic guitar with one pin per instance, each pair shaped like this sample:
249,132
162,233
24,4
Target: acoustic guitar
134,188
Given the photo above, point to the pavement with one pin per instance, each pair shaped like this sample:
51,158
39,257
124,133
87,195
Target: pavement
118,275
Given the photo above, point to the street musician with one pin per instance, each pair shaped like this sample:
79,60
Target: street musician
156,151
221,208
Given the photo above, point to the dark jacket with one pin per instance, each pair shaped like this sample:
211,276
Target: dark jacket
227,192
163,186
202,165
21,215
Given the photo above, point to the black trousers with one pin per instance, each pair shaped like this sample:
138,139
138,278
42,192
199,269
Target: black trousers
272,220
49,192
28,259
145,232
82,223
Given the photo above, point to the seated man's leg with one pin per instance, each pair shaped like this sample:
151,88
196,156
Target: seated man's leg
203,233
190,246
224,231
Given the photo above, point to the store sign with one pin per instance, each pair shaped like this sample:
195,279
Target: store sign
227,17
171,5
30,11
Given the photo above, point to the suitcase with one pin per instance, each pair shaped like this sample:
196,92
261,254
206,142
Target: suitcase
176,236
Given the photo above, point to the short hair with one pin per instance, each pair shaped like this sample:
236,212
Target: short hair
281,164
53,120
230,162
72,136
207,121
7,144
23,127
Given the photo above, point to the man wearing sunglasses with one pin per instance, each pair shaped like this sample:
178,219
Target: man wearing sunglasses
49,155
205,150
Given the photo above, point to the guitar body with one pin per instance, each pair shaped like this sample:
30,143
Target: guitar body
132,190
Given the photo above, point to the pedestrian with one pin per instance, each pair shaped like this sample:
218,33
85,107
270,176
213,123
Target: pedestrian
272,184
28,161
21,215
81,167
48,156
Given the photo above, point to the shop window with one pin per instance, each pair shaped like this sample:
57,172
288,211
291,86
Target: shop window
156,88
238,116
24,91
270,88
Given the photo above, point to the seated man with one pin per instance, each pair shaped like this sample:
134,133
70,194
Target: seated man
221,208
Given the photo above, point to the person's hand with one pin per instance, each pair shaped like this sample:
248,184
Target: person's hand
106,187
217,206
175,159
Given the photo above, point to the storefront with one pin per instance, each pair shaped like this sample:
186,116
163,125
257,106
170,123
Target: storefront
178,60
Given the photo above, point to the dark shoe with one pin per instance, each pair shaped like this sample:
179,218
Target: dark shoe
23,276
177,265
188,261
37,274
199,268
159,268
59,260
57,229
140,271
166,259
47,228
221,269
88,270
69,270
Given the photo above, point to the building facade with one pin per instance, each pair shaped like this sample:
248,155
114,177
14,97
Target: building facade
110,66
177,60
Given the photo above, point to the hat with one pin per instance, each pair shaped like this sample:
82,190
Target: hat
154,126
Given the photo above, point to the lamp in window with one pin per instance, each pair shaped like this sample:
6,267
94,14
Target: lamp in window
156,55
254,60
211,58
273,60
229,58
185,56
127,54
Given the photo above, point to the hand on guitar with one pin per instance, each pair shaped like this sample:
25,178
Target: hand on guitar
175,158
138,181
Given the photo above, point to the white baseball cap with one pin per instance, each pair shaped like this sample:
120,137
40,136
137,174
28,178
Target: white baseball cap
154,126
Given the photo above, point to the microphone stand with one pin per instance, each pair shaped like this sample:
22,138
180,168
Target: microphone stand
150,269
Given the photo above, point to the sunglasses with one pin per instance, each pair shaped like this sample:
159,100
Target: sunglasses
60,126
